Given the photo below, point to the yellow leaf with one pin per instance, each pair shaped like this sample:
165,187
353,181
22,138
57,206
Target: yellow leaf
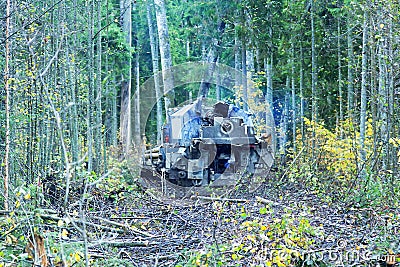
64,233
381,25
77,257
60,223
27,196
234,256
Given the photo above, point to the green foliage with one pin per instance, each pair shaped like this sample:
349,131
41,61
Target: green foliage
112,262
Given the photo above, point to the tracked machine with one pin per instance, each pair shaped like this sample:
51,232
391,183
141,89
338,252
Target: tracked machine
210,146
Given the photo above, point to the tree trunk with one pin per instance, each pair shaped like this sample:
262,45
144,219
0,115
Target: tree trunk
237,61
7,107
98,138
363,110
382,103
137,103
244,74
213,56
269,93
154,60
340,89
314,107
74,91
165,53
293,101
350,66
268,74
125,113
91,99
392,161
301,85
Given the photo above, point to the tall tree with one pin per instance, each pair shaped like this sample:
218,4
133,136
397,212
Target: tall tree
125,113
7,105
363,110
340,88
314,105
154,61
165,53
350,63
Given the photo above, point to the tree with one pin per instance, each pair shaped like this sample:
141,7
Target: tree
7,106
165,53
154,61
314,71
363,111
350,64
125,113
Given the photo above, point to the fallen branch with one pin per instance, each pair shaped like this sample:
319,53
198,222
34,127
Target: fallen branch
268,202
125,243
125,226
237,200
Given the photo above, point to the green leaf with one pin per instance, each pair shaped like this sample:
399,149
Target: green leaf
263,210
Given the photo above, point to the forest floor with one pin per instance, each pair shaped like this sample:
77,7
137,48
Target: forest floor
274,226
279,224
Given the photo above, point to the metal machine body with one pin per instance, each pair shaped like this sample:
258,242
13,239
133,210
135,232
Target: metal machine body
203,145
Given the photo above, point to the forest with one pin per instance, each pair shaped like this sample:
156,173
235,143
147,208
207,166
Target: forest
90,91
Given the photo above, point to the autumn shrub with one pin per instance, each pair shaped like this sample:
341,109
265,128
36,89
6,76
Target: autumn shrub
327,161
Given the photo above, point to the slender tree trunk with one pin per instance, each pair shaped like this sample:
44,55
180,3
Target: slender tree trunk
244,74
137,102
250,70
7,107
350,66
91,100
314,108
154,60
106,141
114,115
258,59
98,135
301,85
213,56
382,101
363,111
269,93
218,88
374,98
237,60
340,88
293,101
165,53
74,91
268,74
392,161
125,114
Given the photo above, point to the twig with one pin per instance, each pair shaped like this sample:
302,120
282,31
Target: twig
267,201
238,200
125,243
135,230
